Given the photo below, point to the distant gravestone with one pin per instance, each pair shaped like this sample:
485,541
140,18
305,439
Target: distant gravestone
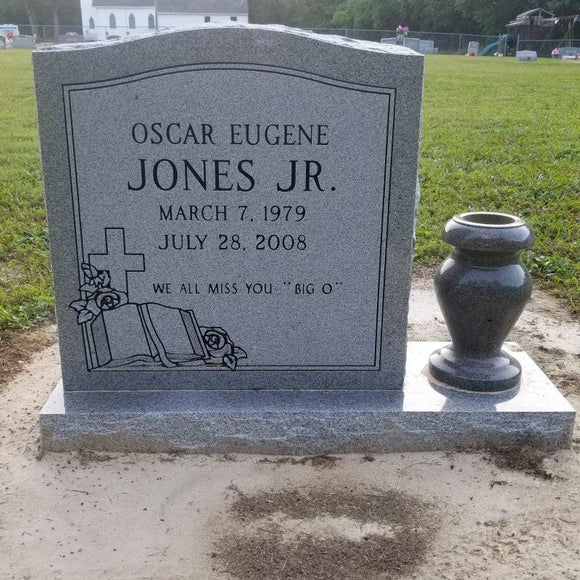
416,44
527,55
569,52
22,42
426,46
231,216
72,38
412,43
473,48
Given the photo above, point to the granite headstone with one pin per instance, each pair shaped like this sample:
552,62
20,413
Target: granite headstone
231,207
473,48
527,55
22,42
231,217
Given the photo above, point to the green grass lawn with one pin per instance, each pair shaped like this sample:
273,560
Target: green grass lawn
25,281
503,135
497,135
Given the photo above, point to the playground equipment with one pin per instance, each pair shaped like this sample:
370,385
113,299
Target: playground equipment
535,30
502,46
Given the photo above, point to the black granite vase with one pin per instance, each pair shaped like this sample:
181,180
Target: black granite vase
482,289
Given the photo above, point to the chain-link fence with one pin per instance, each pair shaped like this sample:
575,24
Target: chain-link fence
431,42
48,34
545,47
458,43
443,42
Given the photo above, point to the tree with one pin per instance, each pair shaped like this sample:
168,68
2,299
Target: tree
354,14
313,13
37,12
301,13
427,15
55,6
13,12
30,7
563,7
467,16
269,11
491,17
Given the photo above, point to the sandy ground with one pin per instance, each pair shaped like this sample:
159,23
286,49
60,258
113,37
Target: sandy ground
415,515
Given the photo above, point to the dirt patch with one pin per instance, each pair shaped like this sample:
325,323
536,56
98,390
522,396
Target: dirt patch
323,535
171,457
526,459
568,383
63,520
18,346
85,456
320,461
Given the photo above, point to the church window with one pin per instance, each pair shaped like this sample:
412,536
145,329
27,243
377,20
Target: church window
233,18
112,21
207,19
131,21
91,23
151,21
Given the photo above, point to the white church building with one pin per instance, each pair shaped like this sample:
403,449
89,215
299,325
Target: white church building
110,19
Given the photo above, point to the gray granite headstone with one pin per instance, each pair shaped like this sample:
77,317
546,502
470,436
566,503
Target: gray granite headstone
231,208
22,42
527,55
231,223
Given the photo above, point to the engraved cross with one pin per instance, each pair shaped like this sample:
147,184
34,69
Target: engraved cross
116,260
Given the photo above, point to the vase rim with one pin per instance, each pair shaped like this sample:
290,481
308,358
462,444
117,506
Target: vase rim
488,219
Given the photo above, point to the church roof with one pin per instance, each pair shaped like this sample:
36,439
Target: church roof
123,3
181,6
203,6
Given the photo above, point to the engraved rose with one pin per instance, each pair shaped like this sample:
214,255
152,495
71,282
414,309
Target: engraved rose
107,299
217,341
98,295
220,346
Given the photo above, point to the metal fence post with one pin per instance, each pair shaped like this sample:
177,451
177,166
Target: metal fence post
459,47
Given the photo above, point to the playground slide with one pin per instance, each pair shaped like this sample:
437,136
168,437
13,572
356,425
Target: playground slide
489,50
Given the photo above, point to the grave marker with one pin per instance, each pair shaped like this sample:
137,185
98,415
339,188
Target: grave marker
231,217
261,184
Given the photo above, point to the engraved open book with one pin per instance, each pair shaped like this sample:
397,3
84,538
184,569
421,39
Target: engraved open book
119,334
148,334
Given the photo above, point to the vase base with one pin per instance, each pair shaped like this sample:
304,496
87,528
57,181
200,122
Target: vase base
482,375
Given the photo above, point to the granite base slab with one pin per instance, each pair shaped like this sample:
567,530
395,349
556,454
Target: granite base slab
422,417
